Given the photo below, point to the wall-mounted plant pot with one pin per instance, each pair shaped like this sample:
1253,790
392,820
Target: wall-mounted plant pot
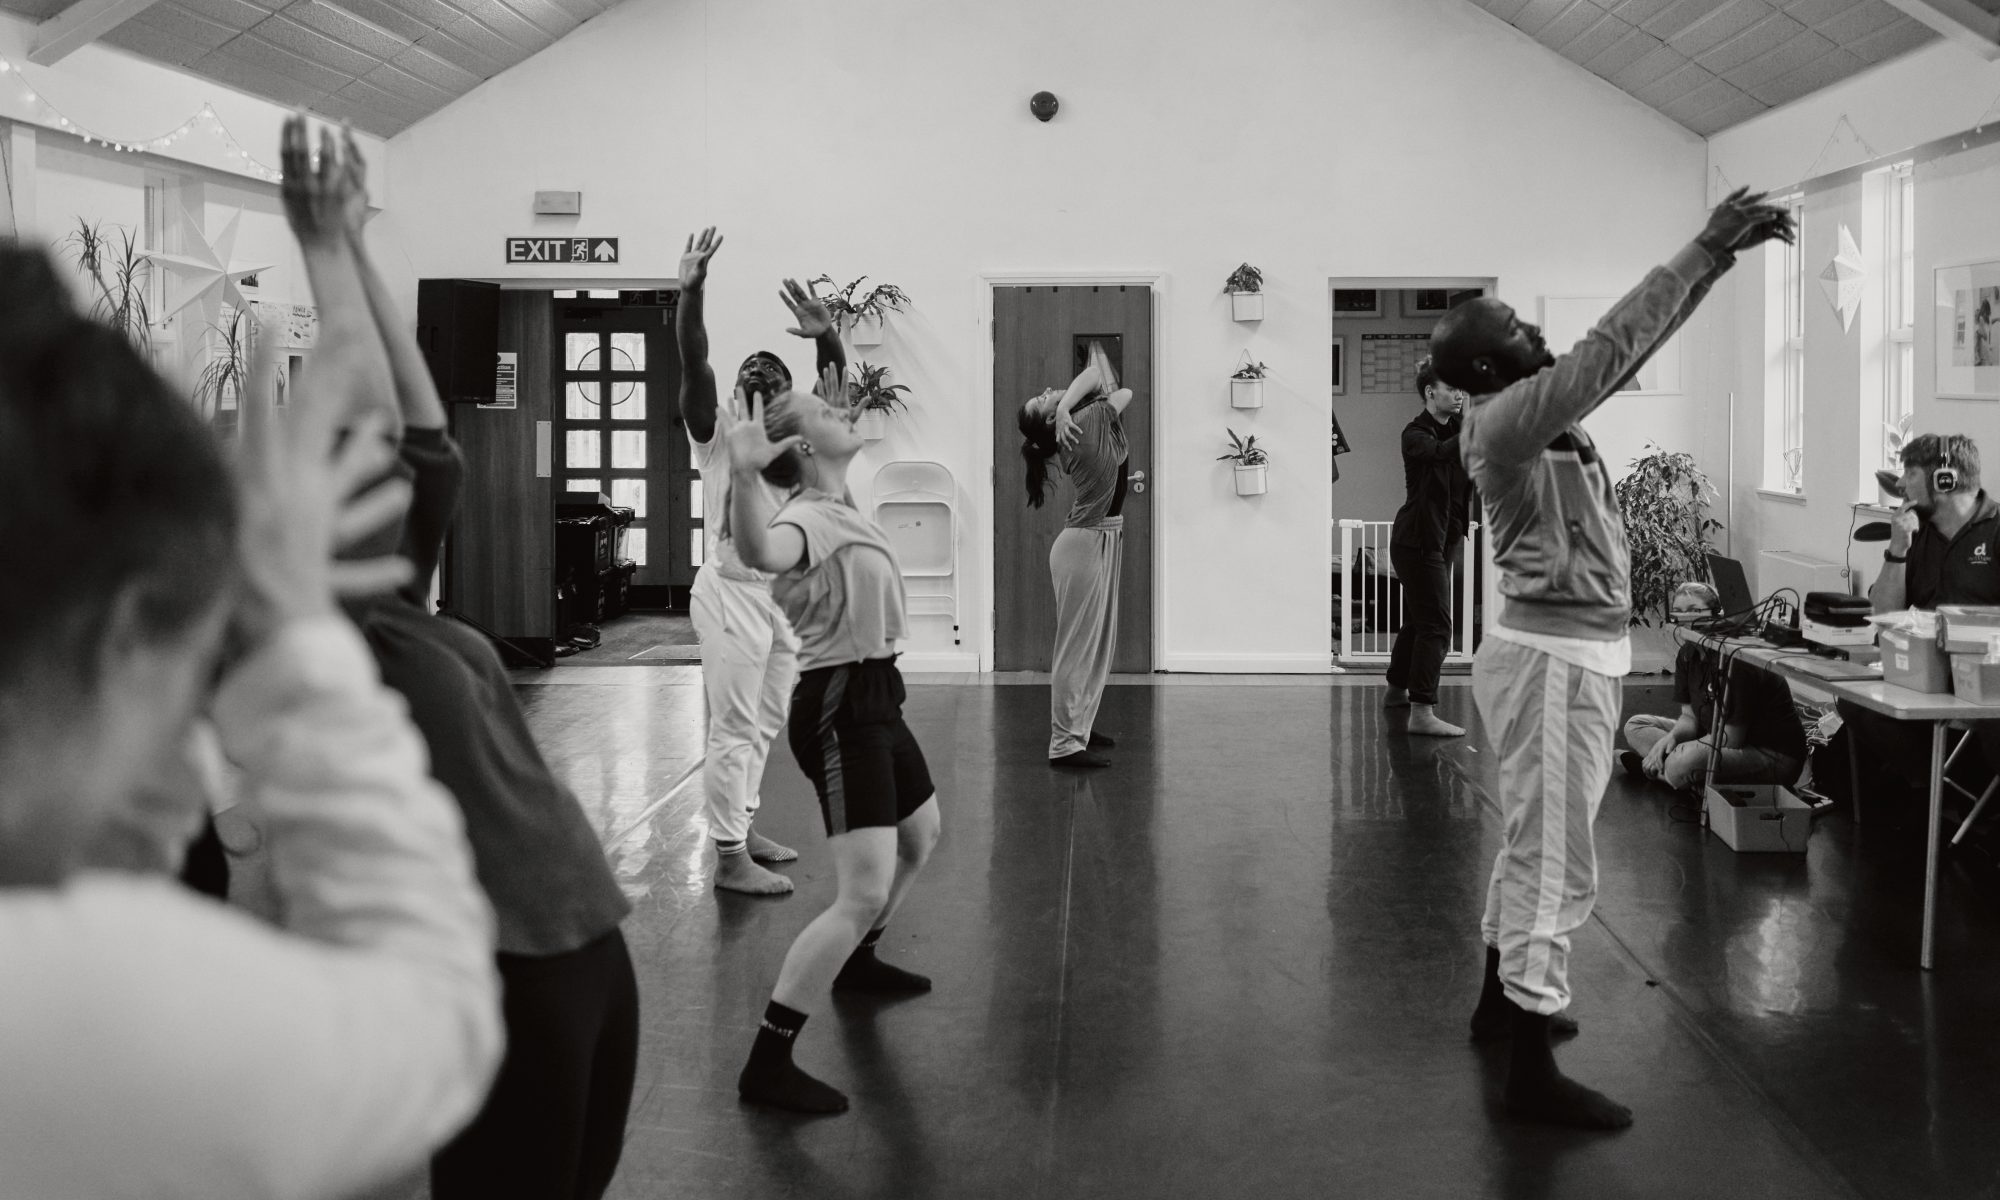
870,424
1246,306
866,331
1246,393
1250,480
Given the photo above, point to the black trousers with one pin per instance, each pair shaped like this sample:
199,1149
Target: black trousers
553,1126
1425,635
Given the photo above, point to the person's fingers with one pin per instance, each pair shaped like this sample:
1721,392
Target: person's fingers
291,151
716,244
791,302
329,159
364,455
370,577
371,510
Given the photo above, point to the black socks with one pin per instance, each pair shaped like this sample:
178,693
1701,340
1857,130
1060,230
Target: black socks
866,973
1493,1020
1537,1091
770,1077
1081,758
1102,741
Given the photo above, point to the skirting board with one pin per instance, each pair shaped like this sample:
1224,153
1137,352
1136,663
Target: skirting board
951,661
1320,663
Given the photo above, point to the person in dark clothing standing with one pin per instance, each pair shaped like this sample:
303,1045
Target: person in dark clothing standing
1424,545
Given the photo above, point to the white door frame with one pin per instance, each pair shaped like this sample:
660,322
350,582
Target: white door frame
983,449
1490,595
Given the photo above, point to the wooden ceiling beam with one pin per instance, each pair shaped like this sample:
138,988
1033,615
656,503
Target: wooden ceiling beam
79,25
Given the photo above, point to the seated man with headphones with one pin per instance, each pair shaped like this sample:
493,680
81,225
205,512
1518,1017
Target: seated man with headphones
1944,548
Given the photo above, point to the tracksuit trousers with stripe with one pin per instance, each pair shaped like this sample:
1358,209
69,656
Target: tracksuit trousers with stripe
1552,724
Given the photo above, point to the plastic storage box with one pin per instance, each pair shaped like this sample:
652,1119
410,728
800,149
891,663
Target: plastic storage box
1911,660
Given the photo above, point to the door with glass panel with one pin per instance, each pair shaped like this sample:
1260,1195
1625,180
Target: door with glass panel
618,430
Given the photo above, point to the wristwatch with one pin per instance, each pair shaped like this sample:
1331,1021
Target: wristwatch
1890,556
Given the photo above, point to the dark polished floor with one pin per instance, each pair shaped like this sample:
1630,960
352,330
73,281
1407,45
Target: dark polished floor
1239,964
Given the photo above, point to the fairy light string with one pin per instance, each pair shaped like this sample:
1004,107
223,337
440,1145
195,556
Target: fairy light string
204,119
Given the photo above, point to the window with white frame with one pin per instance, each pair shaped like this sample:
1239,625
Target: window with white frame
1899,309
1785,360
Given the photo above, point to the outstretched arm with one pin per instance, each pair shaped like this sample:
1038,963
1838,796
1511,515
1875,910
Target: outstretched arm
697,397
416,392
815,321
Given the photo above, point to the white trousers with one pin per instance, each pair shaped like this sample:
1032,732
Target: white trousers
1083,564
1552,725
749,662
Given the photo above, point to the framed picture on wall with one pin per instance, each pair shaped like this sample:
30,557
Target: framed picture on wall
1340,366
1349,303
1436,302
1968,352
1565,319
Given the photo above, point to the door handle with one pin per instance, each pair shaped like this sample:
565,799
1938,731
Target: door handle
1138,481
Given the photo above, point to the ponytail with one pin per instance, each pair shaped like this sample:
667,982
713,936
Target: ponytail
1038,446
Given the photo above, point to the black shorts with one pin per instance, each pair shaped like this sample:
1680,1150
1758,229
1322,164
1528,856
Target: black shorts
847,733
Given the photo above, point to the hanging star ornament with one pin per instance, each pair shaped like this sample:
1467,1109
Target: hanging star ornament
207,275
1843,279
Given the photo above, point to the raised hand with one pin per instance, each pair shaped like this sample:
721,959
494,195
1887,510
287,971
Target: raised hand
694,260
354,183
750,446
1744,220
301,502
813,317
1068,432
315,194
831,386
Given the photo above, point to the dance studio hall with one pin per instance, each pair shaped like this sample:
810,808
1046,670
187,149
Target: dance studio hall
1059,598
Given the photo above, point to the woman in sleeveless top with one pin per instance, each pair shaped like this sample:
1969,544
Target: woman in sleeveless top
1082,430
842,589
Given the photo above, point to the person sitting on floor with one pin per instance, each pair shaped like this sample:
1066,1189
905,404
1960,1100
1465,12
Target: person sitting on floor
1761,738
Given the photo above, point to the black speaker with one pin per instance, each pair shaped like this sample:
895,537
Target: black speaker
458,326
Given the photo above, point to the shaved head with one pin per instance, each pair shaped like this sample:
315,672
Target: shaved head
1482,346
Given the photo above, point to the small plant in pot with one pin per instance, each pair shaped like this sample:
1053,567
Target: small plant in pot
863,312
1246,386
1245,286
1665,505
872,393
120,275
222,379
1251,464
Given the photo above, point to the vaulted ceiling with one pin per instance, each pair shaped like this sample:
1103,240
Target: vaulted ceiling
1709,64
385,64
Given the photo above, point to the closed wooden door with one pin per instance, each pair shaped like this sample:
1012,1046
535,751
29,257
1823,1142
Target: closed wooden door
1040,337
618,428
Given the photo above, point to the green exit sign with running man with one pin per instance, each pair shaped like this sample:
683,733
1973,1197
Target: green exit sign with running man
600,251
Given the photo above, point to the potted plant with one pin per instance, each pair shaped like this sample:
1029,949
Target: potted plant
872,393
223,377
1251,464
120,274
862,313
1245,286
1246,386
1665,505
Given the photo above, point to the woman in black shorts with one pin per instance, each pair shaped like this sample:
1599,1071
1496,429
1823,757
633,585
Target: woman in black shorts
841,587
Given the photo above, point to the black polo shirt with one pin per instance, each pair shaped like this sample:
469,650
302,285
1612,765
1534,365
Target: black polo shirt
1964,569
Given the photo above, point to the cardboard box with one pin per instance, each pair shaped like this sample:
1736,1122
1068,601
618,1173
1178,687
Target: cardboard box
1758,817
1974,679
1965,628
1915,662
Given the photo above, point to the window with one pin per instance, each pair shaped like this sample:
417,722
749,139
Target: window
1899,276
1785,360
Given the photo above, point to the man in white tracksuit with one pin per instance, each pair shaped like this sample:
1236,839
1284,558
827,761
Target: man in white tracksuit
749,655
1546,679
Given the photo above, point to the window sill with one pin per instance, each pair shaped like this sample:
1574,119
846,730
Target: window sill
1787,497
1875,509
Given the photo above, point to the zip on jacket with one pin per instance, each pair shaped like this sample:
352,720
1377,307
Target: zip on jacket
1551,516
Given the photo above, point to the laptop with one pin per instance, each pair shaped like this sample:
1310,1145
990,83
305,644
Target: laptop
1732,587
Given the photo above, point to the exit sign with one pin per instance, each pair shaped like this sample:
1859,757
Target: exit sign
601,251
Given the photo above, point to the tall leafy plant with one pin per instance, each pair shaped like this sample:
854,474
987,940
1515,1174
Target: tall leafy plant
1665,504
119,275
227,370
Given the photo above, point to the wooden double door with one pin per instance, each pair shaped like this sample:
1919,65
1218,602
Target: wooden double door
1041,336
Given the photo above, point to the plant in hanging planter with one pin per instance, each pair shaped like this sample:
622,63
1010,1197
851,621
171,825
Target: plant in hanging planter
120,275
1251,462
871,393
1245,286
1894,438
863,312
1246,386
227,371
1665,505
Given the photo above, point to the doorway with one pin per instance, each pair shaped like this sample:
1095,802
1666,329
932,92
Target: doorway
1041,334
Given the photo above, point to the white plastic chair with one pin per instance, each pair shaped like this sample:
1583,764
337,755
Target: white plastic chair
916,504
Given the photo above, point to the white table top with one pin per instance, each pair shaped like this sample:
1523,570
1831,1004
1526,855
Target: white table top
1872,694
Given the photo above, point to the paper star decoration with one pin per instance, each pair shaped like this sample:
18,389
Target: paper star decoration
1843,279
207,274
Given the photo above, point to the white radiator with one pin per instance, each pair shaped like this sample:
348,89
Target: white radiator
1802,573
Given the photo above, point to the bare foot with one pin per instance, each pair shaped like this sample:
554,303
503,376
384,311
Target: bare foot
737,873
764,850
1396,697
1424,722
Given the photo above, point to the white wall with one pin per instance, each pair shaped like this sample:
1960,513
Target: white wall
1313,138
1933,93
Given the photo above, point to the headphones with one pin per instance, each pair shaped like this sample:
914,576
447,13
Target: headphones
1944,479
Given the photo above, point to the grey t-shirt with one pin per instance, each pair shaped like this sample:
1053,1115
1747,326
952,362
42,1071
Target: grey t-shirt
1096,464
846,604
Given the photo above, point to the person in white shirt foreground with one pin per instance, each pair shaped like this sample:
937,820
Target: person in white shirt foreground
158,1044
